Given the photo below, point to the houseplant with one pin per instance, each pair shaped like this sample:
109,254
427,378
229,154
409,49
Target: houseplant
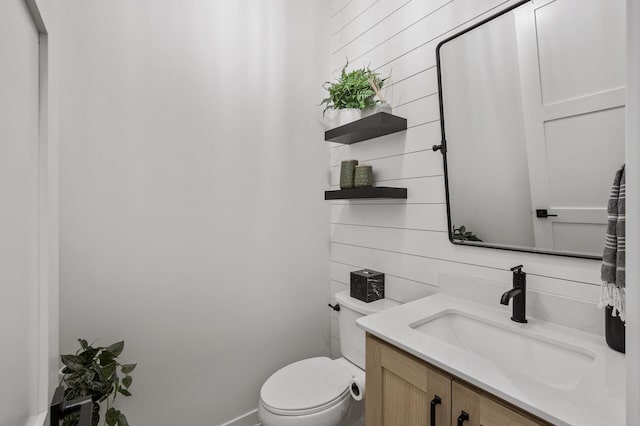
352,93
97,372
463,234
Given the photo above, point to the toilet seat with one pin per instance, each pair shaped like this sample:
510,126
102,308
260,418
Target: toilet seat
305,412
306,387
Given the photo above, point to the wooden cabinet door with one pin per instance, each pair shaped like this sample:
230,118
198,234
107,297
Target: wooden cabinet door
400,389
470,407
465,405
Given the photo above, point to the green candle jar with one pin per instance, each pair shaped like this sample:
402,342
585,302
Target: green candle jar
363,176
347,172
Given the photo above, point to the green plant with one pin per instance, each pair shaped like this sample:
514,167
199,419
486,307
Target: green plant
464,235
93,371
355,89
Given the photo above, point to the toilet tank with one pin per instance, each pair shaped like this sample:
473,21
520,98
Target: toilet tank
352,338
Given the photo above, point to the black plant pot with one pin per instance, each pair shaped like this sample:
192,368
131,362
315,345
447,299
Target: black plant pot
72,419
614,330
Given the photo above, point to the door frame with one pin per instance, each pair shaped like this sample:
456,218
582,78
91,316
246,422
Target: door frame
47,300
633,211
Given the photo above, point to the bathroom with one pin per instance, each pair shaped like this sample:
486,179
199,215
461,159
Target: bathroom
174,188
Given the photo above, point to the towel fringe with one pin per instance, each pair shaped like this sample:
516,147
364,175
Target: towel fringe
612,295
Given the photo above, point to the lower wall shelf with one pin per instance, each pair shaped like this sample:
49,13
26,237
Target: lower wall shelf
370,192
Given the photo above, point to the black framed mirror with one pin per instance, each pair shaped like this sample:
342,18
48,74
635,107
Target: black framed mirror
532,121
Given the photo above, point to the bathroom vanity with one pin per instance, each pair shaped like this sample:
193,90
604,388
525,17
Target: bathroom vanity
475,366
404,390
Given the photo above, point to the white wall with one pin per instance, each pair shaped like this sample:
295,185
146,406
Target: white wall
192,216
19,214
29,218
408,239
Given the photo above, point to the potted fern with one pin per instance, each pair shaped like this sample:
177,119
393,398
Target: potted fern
353,93
97,372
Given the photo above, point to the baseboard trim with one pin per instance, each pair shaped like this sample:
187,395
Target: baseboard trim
37,419
247,419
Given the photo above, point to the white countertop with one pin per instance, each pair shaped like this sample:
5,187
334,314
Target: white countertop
598,399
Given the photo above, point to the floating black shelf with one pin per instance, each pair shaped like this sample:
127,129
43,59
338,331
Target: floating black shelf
373,126
370,192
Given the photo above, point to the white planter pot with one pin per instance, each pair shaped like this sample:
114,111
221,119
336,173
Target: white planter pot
366,112
339,117
348,115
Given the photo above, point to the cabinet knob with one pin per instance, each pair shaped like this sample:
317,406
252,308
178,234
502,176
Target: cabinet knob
434,402
463,417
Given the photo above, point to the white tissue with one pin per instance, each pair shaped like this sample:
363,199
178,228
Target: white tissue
356,387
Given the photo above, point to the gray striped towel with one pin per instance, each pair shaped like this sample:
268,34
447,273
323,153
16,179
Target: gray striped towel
613,258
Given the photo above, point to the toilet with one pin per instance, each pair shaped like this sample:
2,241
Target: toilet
315,391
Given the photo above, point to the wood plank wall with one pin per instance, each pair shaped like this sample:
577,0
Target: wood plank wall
407,239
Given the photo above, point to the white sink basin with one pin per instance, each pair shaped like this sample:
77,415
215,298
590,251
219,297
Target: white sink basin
512,350
564,376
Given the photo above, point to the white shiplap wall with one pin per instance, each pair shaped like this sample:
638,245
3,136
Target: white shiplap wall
407,239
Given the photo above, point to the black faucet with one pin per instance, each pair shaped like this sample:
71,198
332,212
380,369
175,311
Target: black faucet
519,295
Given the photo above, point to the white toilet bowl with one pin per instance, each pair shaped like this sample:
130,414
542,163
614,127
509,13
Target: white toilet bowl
311,392
329,416
315,391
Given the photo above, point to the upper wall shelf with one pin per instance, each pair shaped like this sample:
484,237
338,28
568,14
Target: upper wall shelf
372,126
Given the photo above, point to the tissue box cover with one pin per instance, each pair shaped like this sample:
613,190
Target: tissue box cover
367,285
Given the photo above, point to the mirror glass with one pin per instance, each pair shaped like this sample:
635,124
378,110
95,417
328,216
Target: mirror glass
532,109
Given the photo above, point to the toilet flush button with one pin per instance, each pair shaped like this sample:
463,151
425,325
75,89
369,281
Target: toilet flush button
355,390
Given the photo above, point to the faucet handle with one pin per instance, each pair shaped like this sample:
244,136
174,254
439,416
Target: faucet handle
517,269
